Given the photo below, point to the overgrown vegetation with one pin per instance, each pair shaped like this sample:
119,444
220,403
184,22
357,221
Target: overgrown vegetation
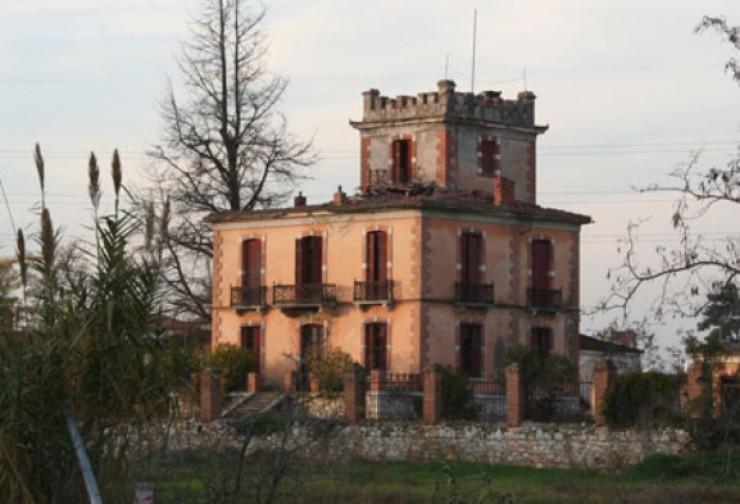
329,368
643,399
234,363
458,401
89,344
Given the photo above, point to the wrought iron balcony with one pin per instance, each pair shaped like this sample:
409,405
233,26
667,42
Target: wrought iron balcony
544,299
473,294
304,296
373,292
248,297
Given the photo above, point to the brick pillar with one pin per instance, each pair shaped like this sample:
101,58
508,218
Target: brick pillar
603,377
210,395
354,395
253,383
376,380
432,394
514,396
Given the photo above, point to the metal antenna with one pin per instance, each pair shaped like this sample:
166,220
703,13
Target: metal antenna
447,64
472,70
524,77
7,206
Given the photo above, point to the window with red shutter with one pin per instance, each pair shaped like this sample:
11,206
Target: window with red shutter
251,336
541,264
490,158
471,256
309,260
471,349
376,346
376,274
541,338
251,263
401,173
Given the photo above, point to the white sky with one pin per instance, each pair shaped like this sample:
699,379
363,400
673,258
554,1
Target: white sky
627,88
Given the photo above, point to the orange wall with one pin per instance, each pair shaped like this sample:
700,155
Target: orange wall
423,322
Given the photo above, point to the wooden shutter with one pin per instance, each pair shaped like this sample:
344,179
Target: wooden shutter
541,252
370,249
489,157
541,338
316,259
396,176
376,345
471,349
251,263
299,262
471,251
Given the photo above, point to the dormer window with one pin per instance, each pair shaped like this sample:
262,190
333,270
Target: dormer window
401,151
489,151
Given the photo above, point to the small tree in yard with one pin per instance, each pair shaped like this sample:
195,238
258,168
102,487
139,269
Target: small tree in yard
329,369
234,363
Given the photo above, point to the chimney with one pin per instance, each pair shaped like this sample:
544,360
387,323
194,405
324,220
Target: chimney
626,337
503,190
300,200
370,100
340,198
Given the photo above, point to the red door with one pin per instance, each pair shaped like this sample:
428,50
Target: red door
376,274
251,336
541,264
376,346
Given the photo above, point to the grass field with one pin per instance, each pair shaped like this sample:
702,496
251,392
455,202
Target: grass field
197,477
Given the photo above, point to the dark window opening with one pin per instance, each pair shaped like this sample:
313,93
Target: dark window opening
490,160
471,349
251,336
541,264
471,257
376,346
251,263
401,161
541,339
308,260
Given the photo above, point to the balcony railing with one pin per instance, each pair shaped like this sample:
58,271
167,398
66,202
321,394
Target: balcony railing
544,299
247,297
474,294
373,292
305,295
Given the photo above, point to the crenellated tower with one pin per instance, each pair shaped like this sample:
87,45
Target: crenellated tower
456,140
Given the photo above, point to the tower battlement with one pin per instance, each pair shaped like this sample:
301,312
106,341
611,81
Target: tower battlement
487,106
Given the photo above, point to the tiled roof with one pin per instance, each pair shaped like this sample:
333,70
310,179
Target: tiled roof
419,197
598,345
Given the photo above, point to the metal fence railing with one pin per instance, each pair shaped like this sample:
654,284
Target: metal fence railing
555,403
394,396
489,399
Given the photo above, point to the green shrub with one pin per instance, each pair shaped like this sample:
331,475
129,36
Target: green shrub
329,369
642,399
179,363
234,363
458,400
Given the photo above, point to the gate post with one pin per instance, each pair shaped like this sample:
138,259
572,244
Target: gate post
432,394
210,395
604,374
514,396
354,395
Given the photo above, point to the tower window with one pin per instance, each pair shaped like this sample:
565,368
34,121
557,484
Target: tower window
490,157
401,162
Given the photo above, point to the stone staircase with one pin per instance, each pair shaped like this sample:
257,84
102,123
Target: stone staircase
253,405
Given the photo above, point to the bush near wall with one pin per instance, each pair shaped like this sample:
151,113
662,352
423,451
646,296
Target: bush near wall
234,363
329,369
642,399
458,400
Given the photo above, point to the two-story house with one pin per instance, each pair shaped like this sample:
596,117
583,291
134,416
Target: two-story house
443,255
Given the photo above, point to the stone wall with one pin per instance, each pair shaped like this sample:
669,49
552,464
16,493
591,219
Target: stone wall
535,445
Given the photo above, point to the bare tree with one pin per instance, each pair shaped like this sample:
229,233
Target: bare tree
225,145
684,273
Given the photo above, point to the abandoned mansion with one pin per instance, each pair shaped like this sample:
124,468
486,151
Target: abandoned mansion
442,256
